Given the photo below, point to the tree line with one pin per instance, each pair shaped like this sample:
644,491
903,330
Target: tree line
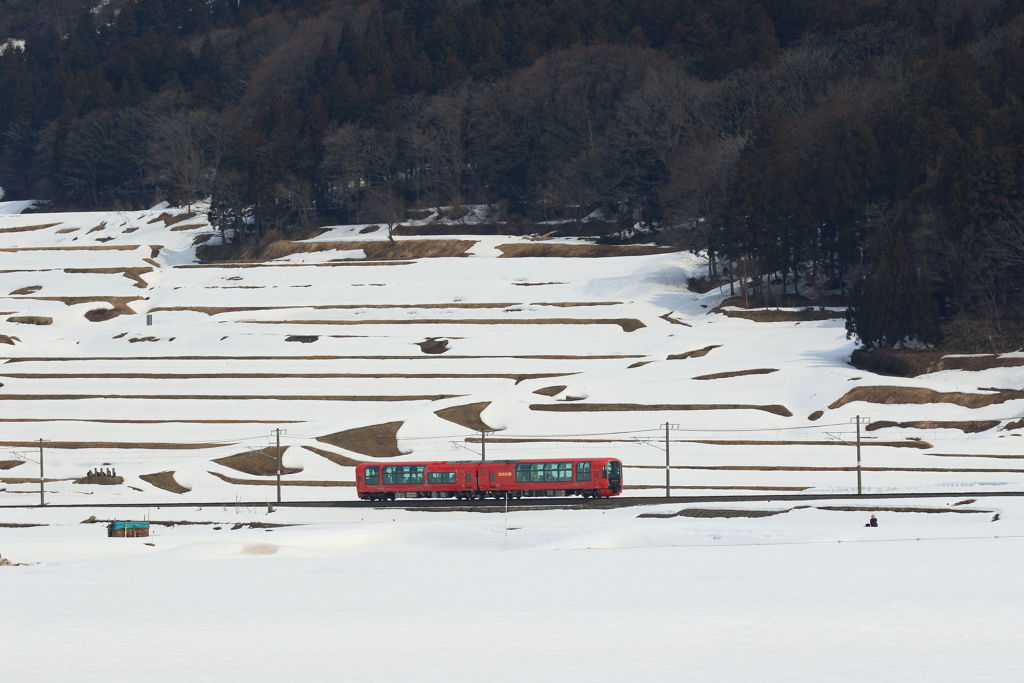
869,149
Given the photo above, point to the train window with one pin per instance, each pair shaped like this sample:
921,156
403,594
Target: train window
492,476
469,477
441,478
583,471
612,470
401,475
372,475
531,472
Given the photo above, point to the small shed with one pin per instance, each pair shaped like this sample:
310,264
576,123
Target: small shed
127,529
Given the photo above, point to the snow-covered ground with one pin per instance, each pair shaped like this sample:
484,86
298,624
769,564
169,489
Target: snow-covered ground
321,342
384,595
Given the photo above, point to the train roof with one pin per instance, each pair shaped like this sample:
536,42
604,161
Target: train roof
485,462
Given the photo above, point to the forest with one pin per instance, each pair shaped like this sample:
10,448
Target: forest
867,153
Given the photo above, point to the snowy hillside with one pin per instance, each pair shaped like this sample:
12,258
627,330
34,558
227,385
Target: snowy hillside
361,349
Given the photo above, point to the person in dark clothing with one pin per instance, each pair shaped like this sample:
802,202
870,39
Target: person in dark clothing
873,522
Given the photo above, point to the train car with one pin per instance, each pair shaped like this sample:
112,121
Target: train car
466,479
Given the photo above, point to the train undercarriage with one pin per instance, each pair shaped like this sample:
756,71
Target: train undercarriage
482,495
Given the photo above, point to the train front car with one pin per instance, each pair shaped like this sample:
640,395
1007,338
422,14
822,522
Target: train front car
416,480
590,478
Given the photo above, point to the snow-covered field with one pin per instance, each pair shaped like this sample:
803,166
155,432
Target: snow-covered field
380,595
322,342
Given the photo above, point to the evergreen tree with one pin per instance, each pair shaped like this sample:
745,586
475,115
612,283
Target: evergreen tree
891,305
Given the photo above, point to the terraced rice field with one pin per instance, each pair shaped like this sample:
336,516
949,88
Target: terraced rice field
559,347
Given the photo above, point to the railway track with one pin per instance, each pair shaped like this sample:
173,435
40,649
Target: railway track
492,505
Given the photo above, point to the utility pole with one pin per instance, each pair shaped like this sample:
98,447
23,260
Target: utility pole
860,420
277,432
668,463
483,445
42,491
858,457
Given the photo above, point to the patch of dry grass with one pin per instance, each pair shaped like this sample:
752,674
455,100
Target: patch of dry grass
31,319
281,375
260,264
6,339
30,228
697,353
146,422
627,324
816,415
467,416
966,426
165,481
132,273
141,445
874,508
10,464
669,319
377,441
100,481
541,249
256,464
212,397
102,247
65,231
737,373
774,316
336,458
170,219
1012,456
575,304
644,407
909,443
216,310
190,226
273,482
378,250
551,391
62,359
26,290
710,513
99,227
537,284
119,305
889,395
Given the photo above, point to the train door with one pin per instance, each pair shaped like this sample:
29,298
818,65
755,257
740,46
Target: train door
614,468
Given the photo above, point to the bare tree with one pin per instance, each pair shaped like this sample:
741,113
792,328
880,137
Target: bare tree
184,152
356,161
88,154
386,206
297,195
437,130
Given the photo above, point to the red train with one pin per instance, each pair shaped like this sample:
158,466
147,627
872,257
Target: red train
465,479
